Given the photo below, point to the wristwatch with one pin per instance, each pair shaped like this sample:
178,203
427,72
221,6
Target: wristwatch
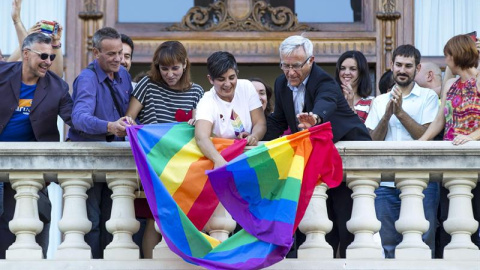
318,120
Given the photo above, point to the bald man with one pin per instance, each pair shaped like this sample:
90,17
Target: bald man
430,76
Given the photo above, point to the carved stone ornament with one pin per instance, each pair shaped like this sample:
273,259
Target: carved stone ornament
240,15
91,11
389,12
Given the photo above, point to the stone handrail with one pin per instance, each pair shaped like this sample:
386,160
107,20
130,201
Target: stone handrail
76,165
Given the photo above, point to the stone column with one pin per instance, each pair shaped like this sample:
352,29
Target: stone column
460,223
25,223
363,223
122,223
220,224
315,225
74,223
162,251
412,223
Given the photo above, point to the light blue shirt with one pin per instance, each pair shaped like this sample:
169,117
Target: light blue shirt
299,95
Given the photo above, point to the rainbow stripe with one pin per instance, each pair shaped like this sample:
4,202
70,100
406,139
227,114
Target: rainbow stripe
266,190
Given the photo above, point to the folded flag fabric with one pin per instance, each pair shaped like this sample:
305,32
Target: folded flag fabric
169,154
266,190
269,187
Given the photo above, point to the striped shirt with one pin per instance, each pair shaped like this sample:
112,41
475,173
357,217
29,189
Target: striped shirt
363,107
165,105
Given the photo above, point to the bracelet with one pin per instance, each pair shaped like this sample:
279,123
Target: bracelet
57,46
16,22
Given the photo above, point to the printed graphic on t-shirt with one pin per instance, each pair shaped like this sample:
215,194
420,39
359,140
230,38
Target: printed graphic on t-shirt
24,106
237,123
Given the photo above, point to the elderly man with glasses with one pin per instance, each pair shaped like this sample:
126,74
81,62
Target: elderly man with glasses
305,95
32,98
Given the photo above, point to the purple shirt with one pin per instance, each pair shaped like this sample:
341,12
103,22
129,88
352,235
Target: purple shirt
93,105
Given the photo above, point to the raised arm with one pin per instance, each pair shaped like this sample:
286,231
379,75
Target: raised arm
19,29
17,21
57,65
380,131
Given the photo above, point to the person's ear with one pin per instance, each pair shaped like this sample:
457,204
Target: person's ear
96,52
25,54
210,79
430,76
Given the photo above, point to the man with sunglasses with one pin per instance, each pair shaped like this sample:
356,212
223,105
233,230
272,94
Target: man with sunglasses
306,90
32,97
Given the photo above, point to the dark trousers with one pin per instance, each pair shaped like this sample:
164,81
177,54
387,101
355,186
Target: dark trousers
443,238
339,208
99,208
7,238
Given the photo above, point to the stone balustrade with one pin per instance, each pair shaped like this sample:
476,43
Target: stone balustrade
411,165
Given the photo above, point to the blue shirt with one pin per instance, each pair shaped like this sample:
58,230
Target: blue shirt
19,128
93,106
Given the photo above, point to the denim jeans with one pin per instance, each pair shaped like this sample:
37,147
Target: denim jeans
387,206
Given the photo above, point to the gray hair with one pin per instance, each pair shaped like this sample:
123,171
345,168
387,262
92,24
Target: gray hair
293,42
35,38
104,33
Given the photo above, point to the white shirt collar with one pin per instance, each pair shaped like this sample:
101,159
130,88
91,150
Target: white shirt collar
301,86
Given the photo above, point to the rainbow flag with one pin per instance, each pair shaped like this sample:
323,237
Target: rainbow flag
266,190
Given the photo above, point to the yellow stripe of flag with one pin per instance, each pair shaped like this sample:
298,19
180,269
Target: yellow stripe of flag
177,167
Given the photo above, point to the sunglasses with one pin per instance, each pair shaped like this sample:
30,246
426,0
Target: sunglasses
43,56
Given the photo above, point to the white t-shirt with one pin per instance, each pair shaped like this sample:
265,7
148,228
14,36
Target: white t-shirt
220,112
421,104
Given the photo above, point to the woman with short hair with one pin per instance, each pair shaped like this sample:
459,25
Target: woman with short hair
231,109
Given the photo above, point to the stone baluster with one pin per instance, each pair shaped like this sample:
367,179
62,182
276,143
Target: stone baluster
412,223
363,223
162,251
220,224
460,223
26,223
315,225
74,223
122,223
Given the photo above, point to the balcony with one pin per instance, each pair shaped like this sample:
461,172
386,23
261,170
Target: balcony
28,166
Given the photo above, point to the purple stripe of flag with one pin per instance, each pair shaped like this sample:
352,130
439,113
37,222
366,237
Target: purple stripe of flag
276,232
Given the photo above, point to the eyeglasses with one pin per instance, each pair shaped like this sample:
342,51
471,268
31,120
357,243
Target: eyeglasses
295,67
43,56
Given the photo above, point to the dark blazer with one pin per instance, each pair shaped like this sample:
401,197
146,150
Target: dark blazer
51,98
323,97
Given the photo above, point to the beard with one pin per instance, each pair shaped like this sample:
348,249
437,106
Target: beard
404,83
